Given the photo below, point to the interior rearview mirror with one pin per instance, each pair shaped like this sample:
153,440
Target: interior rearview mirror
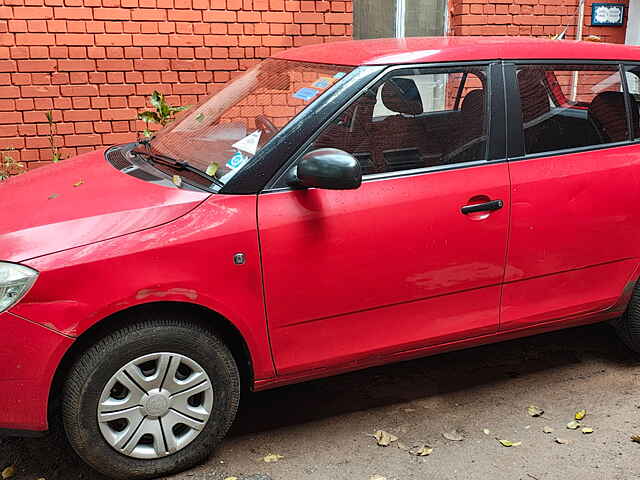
327,168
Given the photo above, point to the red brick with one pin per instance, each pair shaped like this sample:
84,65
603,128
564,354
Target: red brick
111,14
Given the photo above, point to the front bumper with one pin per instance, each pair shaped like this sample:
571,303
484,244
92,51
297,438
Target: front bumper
29,357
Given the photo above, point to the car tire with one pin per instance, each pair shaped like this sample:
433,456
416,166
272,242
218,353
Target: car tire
628,325
195,354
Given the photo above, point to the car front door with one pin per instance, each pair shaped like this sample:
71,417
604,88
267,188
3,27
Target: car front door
412,258
575,180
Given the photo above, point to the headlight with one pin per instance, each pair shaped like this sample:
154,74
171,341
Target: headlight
15,282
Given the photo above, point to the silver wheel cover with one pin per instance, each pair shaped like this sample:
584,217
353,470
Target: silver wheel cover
155,405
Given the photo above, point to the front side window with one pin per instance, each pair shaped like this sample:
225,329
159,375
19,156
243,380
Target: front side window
571,106
414,119
224,132
633,82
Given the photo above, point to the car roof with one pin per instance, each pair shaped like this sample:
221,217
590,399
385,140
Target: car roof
397,51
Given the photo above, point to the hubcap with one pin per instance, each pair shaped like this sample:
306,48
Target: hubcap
155,405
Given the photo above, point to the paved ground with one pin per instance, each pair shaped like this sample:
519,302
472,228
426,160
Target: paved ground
321,427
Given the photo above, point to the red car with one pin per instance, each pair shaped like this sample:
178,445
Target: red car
333,208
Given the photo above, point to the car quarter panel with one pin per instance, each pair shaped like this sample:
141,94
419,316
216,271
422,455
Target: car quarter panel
189,260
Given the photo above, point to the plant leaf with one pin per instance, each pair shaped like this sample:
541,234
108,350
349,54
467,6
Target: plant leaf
507,443
423,451
573,425
49,116
156,99
561,441
272,457
147,133
149,117
383,438
454,436
177,180
547,430
581,414
587,430
534,411
212,169
56,157
179,109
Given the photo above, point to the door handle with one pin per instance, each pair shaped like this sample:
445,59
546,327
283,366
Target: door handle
482,207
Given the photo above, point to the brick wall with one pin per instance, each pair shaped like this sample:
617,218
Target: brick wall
94,62
525,17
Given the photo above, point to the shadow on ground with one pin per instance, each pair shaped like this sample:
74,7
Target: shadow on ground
372,388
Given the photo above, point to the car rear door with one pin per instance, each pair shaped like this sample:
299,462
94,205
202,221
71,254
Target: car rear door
415,256
575,176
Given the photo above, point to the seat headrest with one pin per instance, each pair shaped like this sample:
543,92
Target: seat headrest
533,94
473,102
609,112
401,95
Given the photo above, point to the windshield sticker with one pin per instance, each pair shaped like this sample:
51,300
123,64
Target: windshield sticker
237,161
322,82
306,93
339,75
249,143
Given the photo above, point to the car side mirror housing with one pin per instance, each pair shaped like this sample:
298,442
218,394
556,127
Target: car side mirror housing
327,168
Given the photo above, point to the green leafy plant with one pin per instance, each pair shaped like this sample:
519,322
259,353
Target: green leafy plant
163,113
53,130
9,166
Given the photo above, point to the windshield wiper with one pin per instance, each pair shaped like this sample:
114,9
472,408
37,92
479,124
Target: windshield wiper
171,162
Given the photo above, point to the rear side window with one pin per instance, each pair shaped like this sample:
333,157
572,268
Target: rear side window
415,119
571,106
633,82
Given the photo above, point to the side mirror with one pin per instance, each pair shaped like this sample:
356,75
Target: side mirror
327,168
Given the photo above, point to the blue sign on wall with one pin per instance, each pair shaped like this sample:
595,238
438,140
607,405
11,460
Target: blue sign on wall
607,14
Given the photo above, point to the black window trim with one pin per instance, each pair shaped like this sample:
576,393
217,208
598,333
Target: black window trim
516,149
495,115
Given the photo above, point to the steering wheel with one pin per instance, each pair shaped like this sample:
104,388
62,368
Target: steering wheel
267,126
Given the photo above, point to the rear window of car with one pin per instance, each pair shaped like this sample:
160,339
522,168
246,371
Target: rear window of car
571,106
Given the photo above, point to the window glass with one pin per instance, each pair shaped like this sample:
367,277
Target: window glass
414,120
633,81
571,106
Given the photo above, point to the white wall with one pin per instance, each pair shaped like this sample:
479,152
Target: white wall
633,23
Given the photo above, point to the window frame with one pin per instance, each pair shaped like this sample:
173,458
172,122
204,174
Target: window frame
516,140
495,116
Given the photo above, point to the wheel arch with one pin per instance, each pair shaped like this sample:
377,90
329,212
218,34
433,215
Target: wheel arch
208,318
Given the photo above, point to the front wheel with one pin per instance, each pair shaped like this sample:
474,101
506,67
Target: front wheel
151,399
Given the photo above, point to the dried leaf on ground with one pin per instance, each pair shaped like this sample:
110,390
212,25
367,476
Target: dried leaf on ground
231,478
454,436
547,430
561,441
534,411
486,431
384,439
635,438
8,472
421,451
377,477
573,425
587,430
272,457
581,414
508,443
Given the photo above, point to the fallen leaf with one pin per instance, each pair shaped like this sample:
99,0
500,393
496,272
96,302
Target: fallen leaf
486,431
177,180
383,438
52,196
534,411
635,438
547,430
561,441
212,169
377,477
78,183
8,472
507,443
573,425
272,457
421,451
581,414
231,478
408,410
454,436
587,430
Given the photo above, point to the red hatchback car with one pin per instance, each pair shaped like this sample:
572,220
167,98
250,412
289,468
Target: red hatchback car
333,208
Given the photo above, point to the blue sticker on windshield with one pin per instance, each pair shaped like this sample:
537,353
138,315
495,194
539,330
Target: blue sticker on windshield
322,82
339,75
306,93
235,161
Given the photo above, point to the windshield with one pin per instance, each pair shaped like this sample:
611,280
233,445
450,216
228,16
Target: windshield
223,132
